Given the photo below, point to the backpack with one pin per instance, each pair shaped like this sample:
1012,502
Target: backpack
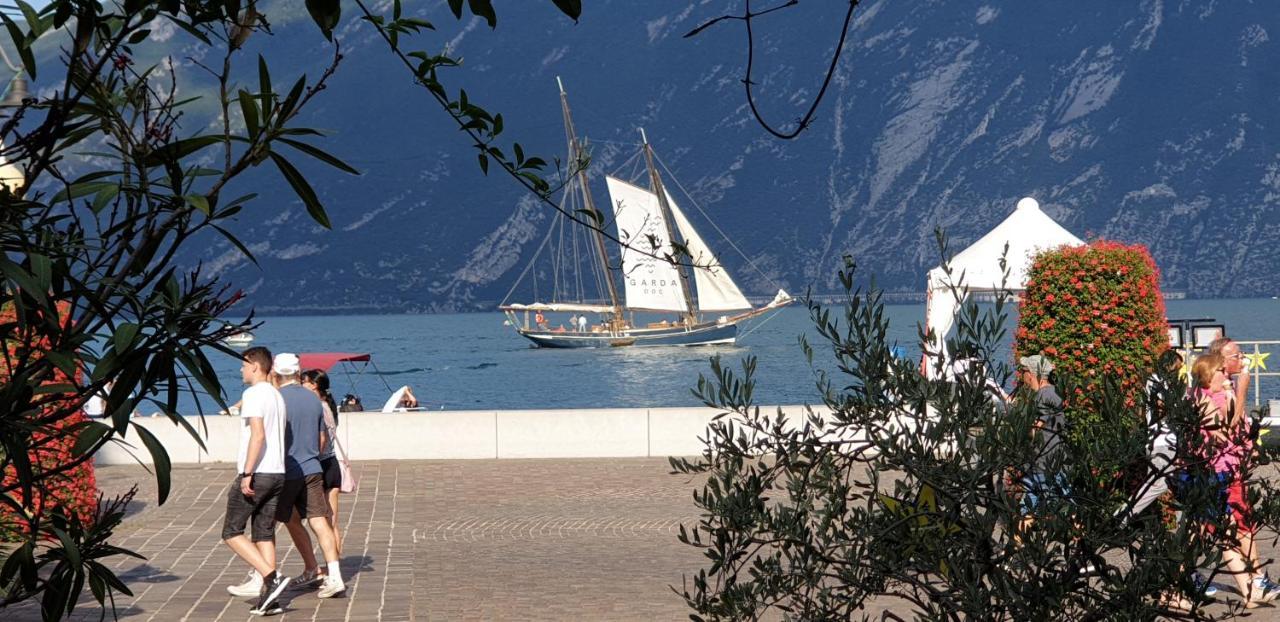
350,404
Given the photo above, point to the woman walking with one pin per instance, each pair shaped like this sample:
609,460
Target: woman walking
318,382
1225,446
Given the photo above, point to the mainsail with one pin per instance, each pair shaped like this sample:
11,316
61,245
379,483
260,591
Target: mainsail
716,290
652,282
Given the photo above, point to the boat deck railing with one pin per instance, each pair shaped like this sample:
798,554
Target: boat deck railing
1257,353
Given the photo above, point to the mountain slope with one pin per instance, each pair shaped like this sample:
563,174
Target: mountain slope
1152,122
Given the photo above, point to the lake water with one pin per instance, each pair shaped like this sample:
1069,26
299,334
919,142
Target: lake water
472,361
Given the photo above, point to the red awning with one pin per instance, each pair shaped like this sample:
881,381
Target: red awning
326,360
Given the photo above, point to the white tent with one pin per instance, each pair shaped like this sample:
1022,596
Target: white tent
977,269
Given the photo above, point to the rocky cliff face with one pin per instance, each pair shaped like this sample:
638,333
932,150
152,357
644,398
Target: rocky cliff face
1152,122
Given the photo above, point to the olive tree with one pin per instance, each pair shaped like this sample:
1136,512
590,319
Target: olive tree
900,490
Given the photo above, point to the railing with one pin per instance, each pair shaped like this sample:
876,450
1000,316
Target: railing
1257,353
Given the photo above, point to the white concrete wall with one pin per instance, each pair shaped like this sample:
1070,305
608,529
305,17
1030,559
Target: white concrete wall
448,435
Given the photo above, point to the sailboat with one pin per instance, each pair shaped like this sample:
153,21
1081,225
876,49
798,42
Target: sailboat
692,284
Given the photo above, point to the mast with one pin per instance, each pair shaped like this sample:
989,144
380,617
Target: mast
575,150
656,187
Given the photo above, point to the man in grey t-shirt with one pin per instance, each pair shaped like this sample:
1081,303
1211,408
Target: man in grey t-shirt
1045,476
303,494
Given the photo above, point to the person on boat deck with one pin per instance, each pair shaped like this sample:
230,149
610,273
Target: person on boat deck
402,398
582,323
560,329
540,320
573,321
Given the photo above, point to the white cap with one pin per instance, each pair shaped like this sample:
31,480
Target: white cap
285,364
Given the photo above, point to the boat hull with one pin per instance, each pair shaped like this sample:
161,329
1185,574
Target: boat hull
700,335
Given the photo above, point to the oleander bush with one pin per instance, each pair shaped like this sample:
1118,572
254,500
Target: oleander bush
73,491
1096,311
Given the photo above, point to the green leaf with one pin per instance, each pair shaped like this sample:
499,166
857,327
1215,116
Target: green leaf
303,189
21,43
182,23
25,281
238,244
484,163
456,7
326,14
68,546
177,150
291,100
41,269
83,188
29,14
126,333
198,201
249,110
484,8
104,197
139,36
89,435
63,361
20,564
264,86
161,459
572,8
319,155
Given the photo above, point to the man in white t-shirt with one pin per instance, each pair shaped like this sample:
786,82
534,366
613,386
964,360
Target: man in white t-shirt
259,479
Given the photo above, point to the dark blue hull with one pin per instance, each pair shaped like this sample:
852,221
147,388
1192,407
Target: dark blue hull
702,334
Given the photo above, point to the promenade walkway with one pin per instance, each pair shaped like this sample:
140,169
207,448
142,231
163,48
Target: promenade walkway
431,540
441,540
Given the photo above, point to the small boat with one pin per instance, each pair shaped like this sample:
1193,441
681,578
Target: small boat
652,230
240,339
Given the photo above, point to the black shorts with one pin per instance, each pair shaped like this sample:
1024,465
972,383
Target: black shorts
332,473
306,495
261,507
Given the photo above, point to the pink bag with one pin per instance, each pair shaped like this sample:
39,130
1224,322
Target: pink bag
349,481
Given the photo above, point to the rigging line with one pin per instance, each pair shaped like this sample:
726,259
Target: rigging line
713,223
529,266
762,323
620,143
631,161
558,271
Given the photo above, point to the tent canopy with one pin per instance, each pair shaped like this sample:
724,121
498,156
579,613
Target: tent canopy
325,361
1026,231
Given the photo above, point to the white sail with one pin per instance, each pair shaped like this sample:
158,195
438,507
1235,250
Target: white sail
651,282
716,289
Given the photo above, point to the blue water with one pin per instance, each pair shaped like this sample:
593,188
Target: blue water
472,361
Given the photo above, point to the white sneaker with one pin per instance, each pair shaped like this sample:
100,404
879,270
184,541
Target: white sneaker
332,586
251,587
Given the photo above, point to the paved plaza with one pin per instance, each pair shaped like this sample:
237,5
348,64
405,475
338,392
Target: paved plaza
439,540
431,540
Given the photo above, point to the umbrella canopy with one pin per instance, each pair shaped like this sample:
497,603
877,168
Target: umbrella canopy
325,361
1026,232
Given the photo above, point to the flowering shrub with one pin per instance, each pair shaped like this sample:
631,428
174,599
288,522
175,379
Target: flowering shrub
1096,311
51,444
